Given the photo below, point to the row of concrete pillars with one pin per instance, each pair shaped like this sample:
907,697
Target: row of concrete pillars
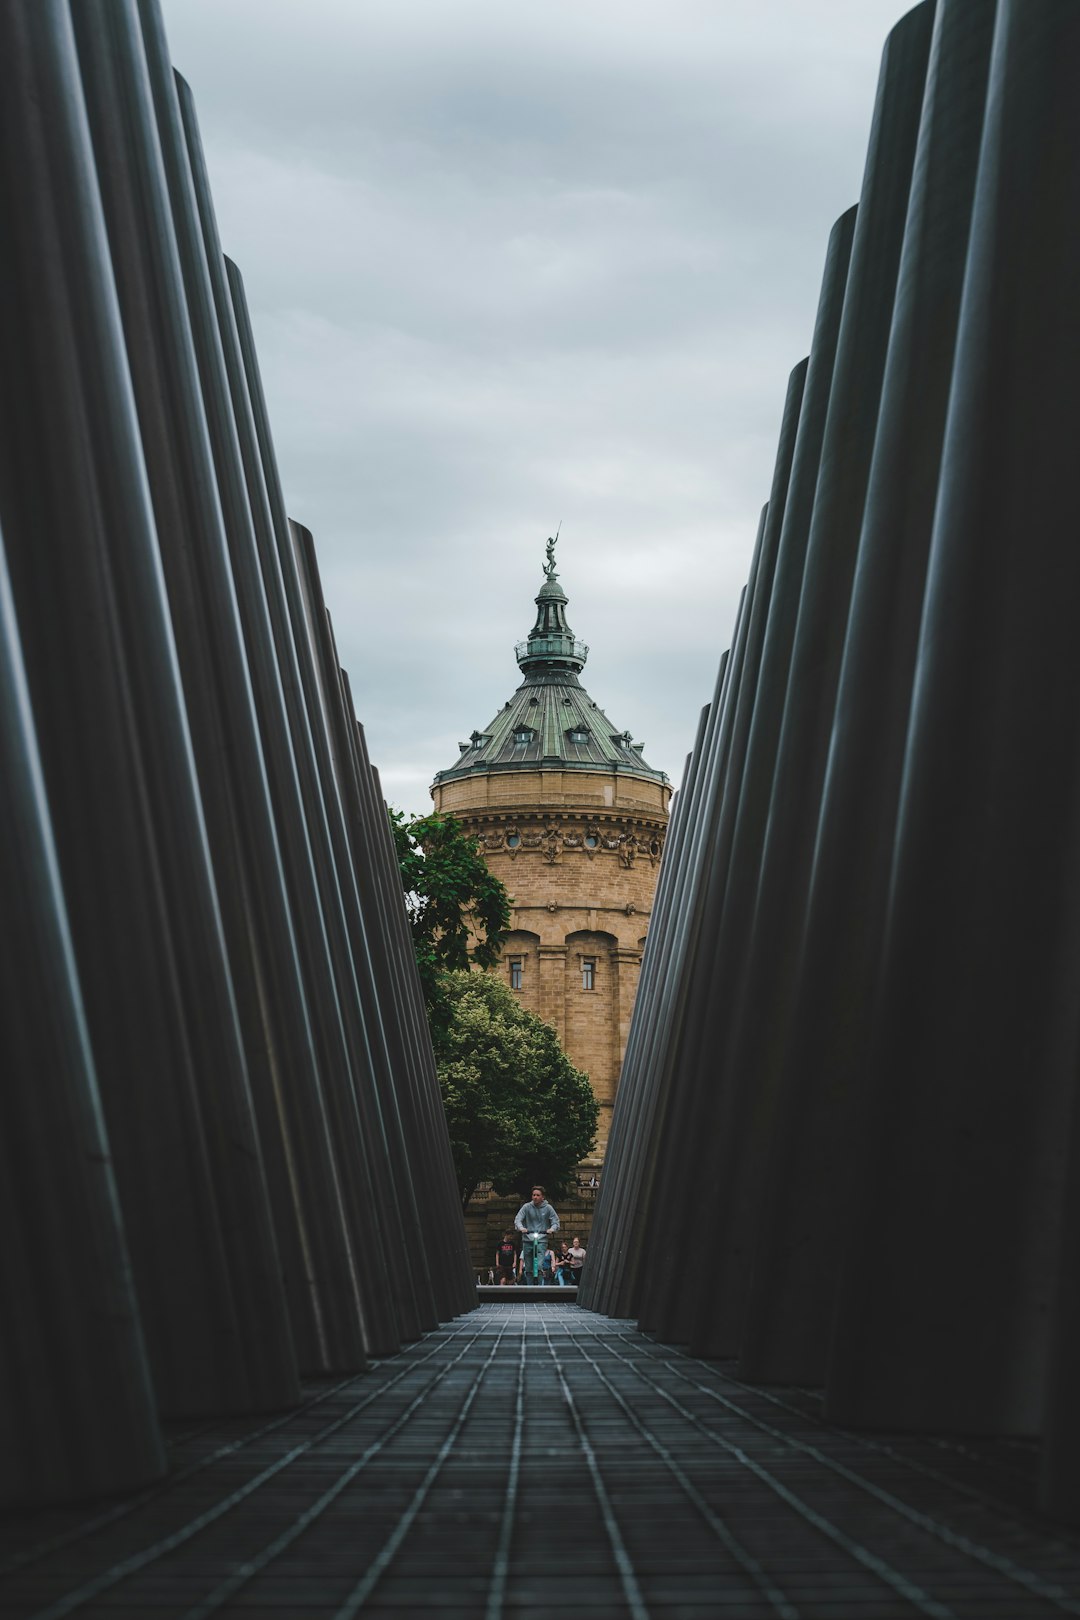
849,1095
224,1159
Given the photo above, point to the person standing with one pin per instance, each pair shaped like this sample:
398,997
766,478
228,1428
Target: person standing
577,1260
536,1221
506,1260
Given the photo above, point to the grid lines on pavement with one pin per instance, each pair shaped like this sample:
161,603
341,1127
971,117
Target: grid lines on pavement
531,1461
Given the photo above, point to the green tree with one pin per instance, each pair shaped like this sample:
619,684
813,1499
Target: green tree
518,1110
459,912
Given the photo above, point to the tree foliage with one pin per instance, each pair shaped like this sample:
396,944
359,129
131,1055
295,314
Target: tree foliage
518,1110
459,911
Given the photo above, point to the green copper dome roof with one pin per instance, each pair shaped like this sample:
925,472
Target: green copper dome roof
551,719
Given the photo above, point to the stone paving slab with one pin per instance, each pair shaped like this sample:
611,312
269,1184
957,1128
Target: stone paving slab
542,1463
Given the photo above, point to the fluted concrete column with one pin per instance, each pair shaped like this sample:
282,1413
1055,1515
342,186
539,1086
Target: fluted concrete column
394,1294
728,887
427,1136
760,989
805,1208
311,874
622,1188
116,755
455,1286
76,1400
623,1211
392,1075
950,1270
244,849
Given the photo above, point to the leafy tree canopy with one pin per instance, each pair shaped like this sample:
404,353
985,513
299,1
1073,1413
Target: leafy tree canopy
459,912
518,1110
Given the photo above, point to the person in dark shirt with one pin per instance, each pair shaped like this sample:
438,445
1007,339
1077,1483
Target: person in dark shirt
506,1260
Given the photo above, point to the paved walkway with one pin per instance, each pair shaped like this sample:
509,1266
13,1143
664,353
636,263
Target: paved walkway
542,1462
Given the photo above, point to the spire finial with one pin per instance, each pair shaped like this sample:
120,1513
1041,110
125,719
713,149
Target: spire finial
552,645
549,566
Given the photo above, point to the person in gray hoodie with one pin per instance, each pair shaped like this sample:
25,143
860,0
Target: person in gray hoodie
536,1221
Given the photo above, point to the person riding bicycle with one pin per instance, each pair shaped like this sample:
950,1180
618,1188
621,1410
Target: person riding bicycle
536,1221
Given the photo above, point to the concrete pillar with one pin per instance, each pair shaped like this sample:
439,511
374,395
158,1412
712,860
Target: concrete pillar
622,1161
284,684
950,1273
728,885
116,756
278,1038
363,814
805,1209
76,1400
779,814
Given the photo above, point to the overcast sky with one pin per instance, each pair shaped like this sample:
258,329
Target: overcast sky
514,263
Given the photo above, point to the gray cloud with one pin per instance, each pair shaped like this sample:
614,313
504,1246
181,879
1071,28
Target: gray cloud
511,264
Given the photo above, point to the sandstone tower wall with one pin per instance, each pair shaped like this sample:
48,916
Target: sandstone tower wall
579,856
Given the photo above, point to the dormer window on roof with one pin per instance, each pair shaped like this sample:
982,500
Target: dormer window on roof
524,734
480,739
577,734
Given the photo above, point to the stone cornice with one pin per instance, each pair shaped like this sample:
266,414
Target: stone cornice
551,834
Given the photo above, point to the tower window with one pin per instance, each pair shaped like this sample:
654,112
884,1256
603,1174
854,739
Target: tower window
523,735
513,840
588,973
578,735
591,841
517,972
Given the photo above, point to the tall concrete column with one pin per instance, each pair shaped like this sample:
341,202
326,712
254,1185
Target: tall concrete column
77,1410
621,1188
688,1133
951,1269
116,754
244,848
779,836
805,1211
245,472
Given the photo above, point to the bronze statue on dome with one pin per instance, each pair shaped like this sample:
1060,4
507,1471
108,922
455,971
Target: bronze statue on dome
549,566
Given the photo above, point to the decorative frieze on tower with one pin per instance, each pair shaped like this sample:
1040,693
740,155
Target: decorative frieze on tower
572,819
